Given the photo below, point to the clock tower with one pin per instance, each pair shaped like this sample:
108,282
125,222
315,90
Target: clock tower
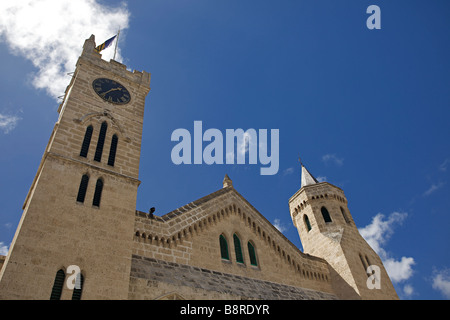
78,216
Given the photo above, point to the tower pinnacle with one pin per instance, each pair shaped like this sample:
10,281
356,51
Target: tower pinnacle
307,177
227,182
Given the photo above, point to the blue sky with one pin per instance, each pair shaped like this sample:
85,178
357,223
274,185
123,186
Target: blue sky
367,110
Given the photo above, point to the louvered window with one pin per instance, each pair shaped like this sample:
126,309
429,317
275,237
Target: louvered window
76,295
112,150
252,254
86,141
224,248
58,285
238,249
82,189
100,142
98,193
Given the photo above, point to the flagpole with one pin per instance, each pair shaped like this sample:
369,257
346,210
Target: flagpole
117,41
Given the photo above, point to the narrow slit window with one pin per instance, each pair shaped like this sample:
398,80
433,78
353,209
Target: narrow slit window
112,150
368,262
238,249
76,295
100,142
363,263
345,215
224,248
98,193
86,142
58,285
307,223
252,254
82,189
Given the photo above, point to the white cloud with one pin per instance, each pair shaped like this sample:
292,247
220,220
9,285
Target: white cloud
51,34
321,178
332,158
288,171
3,249
444,165
247,140
379,230
8,123
441,282
399,270
377,233
246,143
433,188
279,225
408,290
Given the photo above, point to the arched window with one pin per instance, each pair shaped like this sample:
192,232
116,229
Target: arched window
252,254
58,285
325,214
76,295
307,224
112,150
345,215
98,193
86,141
82,189
224,248
238,249
100,142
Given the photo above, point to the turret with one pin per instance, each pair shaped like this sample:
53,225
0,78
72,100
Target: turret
319,211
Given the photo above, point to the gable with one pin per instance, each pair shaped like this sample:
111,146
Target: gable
190,235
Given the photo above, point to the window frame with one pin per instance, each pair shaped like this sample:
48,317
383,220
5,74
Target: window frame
326,215
58,285
307,223
238,249
101,142
113,150
223,243
77,293
86,141
98,192
82,189
252,254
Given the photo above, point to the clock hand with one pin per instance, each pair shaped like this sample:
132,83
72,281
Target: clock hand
114,89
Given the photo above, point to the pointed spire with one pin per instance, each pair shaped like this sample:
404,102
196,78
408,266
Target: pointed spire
307,177
227,182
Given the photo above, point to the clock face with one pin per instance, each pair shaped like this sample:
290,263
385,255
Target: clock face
111,91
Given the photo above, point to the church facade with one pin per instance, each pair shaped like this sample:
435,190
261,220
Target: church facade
81,237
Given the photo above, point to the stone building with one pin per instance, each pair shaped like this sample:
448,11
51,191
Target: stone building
81,237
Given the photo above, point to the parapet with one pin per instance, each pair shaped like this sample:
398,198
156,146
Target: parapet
89,54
